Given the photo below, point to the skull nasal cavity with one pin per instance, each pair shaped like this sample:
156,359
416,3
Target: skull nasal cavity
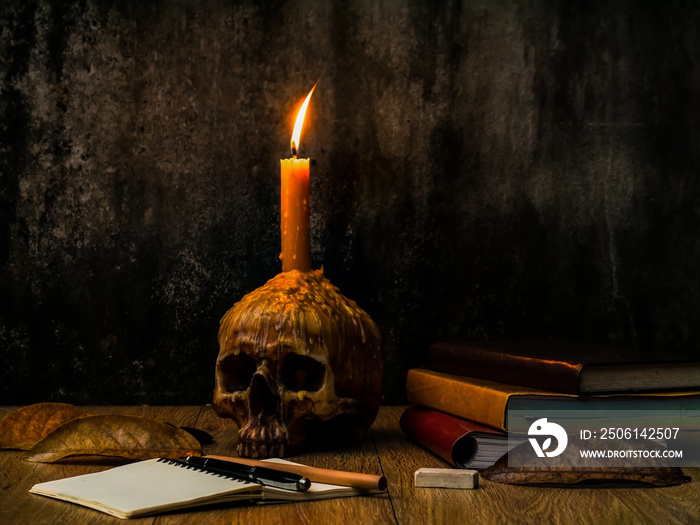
262,400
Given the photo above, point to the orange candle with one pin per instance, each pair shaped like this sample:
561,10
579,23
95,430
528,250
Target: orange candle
294,216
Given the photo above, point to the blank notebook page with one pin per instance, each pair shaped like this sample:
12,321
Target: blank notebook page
146,487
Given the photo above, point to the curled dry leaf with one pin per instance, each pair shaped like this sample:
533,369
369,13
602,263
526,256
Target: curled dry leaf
25,427
132,437
204,437
581,476
564,472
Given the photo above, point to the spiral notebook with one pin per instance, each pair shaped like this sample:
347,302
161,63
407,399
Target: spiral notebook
159,485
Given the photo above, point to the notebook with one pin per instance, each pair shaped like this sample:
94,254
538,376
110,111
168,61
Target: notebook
159,485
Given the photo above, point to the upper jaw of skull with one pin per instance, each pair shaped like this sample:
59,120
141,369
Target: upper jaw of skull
272,412
264,434
277,420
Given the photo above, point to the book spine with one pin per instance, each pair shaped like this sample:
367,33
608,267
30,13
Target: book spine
555,376
463,399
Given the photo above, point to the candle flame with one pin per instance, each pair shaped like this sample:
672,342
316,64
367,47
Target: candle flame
300,122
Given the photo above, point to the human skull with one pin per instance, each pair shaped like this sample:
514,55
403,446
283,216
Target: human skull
297,361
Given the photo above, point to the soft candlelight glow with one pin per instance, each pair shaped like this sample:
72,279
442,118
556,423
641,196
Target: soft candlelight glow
294,216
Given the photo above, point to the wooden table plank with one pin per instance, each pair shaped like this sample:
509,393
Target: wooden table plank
497,503
677,505
385,451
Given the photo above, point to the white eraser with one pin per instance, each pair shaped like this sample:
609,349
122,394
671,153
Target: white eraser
446,478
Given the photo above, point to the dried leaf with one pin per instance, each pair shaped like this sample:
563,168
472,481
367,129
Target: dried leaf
25,427
204,437
132,437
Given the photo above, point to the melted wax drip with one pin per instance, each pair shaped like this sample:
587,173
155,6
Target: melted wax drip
309,308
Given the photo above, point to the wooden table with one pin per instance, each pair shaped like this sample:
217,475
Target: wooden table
386,450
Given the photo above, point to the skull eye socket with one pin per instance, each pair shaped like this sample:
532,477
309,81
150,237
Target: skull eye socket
300,372
237,370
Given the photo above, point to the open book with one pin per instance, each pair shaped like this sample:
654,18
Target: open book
158,485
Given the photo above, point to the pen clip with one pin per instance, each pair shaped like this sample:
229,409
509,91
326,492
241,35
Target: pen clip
282,480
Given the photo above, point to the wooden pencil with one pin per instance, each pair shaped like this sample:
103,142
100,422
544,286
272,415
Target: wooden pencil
320,475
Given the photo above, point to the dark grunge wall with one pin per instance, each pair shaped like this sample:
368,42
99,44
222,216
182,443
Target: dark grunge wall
481,169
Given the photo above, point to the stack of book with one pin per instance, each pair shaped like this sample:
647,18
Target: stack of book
459,402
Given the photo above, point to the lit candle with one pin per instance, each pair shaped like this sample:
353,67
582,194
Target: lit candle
294,215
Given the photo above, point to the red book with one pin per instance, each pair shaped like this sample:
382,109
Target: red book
566,367
460,442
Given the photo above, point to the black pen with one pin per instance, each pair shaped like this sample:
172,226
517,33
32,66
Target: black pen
262,475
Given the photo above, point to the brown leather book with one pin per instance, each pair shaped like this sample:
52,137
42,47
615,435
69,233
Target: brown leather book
460,442
487,402
568,367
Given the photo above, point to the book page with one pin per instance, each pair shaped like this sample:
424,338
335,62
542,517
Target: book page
147,487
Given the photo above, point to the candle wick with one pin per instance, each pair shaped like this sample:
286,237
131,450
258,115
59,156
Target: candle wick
293,148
